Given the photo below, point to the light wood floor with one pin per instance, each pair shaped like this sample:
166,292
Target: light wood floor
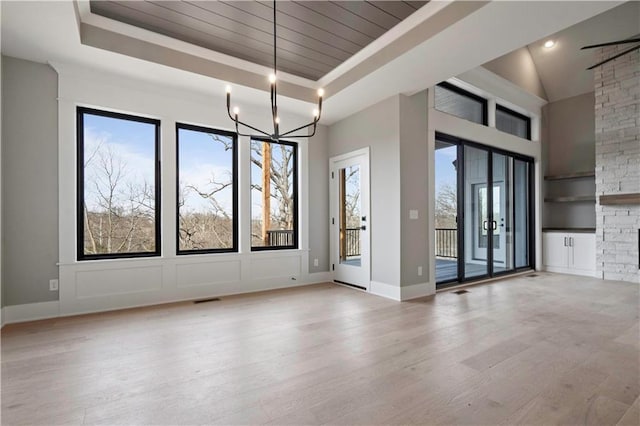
554,349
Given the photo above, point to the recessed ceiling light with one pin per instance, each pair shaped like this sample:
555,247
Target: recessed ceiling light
549,44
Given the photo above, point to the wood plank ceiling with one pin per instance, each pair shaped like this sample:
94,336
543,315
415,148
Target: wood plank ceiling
314,37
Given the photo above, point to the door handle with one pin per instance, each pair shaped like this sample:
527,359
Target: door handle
565,242
570,241
494,225
484,225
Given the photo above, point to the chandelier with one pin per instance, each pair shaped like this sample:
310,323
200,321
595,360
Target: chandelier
276,135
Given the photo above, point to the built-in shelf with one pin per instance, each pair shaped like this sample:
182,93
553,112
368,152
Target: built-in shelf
568,229
578,175
620,199
571,199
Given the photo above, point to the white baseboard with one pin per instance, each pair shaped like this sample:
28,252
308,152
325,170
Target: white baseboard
570,271
417,290
45,310
31,312
401,293
386,290
320,277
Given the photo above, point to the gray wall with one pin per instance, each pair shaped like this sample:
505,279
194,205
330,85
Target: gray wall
29,181
569,146
414,190
378,127
319,200
571,134
1,291
518,67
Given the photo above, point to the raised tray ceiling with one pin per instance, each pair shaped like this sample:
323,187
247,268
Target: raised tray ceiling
314,37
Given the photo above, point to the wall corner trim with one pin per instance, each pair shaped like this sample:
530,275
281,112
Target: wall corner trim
30,312
417,290
389,291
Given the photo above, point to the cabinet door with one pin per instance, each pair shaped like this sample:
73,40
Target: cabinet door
554,251
582,252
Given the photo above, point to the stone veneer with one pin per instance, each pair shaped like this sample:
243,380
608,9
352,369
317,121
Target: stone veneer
617,91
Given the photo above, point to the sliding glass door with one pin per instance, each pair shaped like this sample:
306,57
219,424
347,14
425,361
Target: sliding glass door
476,213
502,213
493,216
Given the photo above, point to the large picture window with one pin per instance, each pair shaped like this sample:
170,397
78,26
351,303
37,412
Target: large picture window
118,207
274,195
207,190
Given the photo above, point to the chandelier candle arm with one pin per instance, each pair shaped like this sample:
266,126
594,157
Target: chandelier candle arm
275,136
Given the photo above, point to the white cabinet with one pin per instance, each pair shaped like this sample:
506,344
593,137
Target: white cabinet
569,253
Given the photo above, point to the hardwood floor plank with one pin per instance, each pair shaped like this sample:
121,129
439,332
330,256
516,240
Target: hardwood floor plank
596,410
632,416
551,349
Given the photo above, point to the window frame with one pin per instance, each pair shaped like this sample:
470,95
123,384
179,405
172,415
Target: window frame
234,136
80,175
462,92
295,196
515,114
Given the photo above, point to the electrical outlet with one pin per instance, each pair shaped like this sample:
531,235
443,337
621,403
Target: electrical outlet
315,262
53,285
419,271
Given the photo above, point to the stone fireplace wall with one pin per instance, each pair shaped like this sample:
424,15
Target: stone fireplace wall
617,108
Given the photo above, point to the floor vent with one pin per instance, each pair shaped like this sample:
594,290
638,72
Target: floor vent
532,275
213,299
461,292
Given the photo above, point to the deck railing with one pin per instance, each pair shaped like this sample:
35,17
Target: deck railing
352,242
280,237
447,242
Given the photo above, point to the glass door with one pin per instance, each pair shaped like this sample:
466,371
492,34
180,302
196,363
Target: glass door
350,222
502,213
446,211
477,230
522,213
488,230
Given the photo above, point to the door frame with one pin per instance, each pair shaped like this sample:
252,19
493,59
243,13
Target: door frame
333,220
460,143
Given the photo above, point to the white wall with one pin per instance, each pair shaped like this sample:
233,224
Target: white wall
90,286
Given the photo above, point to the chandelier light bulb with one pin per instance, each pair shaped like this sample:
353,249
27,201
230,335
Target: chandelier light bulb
236,110
228,88
272,78
321,92
277,120
315,113
549,44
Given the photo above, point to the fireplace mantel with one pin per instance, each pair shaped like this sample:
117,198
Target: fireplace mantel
620,199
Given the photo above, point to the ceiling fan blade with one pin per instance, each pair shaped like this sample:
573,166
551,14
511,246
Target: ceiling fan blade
624,52
611,43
